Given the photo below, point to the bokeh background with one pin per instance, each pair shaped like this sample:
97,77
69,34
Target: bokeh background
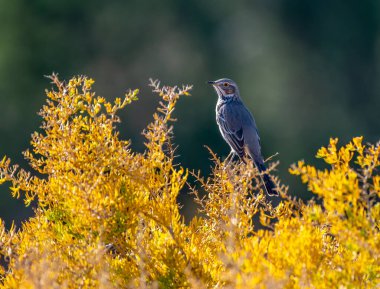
308,70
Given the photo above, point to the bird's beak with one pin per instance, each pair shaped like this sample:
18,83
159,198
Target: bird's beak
211,82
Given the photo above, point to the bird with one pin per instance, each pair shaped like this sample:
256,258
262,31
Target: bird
238,128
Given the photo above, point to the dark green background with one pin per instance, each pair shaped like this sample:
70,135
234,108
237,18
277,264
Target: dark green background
308,70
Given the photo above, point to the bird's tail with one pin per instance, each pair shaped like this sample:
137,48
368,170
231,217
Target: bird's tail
270,187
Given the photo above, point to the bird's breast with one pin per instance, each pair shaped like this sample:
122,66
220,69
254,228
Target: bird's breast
219,110
220,105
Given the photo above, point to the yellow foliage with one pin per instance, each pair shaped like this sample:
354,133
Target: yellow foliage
107,217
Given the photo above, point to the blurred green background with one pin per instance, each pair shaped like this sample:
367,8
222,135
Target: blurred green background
308,70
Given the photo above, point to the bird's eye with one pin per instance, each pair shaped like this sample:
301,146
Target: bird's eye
225,84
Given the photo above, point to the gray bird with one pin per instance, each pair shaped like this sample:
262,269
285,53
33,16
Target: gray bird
238,127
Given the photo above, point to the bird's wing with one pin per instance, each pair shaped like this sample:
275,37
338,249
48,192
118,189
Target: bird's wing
240,131
230,124
251,137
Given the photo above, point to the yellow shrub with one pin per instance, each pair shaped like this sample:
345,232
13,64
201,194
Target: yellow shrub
107,217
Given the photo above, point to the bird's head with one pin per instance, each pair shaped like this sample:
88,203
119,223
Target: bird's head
225,88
